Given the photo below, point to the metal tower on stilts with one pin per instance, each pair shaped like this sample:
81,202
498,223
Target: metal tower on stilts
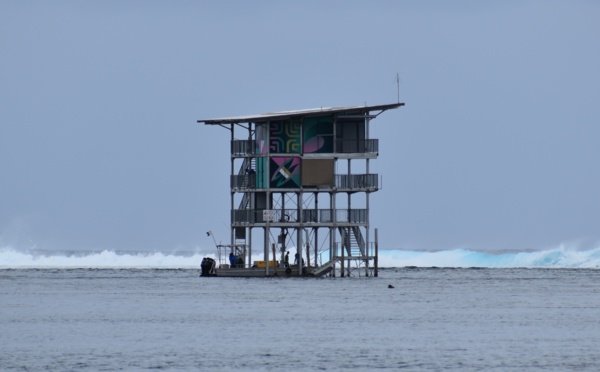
300,186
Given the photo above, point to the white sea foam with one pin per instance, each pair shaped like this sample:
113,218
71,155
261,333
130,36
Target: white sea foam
561,257
10,258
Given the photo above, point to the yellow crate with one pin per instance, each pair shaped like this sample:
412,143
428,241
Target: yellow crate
263,264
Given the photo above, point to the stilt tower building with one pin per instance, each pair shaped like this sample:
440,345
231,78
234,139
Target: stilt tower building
300,182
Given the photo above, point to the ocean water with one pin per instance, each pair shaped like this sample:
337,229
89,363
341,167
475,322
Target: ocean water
61,317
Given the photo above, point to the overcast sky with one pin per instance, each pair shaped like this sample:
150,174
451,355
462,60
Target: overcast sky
497,148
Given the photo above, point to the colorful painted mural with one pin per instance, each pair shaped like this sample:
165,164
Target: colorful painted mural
285,172
285,137
317,133
261,173
262,136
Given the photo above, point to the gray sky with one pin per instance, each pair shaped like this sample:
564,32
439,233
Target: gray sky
497,148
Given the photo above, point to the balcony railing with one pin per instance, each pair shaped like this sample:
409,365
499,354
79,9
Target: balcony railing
243,147
365,146
247,216
243,182
357,181
342,181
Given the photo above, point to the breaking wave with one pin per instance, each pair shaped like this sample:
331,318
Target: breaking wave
553,258
13,259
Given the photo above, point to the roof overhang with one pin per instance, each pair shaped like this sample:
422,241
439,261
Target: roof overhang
361,111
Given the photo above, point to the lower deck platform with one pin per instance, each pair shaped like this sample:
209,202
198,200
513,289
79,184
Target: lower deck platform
254,272
261,272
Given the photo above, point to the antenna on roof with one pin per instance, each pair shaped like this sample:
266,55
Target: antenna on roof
398,86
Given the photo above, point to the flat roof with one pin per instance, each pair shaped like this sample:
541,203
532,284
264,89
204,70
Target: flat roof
298,113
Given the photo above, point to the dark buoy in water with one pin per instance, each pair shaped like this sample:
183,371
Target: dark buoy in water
390,286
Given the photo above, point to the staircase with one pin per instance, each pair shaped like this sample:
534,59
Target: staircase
325,268
248,163
353,241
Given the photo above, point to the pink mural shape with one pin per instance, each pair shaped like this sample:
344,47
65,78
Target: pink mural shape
314,144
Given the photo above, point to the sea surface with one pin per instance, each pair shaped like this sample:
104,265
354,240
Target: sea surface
433,319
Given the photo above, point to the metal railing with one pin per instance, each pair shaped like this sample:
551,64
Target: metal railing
365,146
243,147
245,216
357,181
342,181
243,181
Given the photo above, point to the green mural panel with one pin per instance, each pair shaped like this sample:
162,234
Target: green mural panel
261,173
318,134
285,137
